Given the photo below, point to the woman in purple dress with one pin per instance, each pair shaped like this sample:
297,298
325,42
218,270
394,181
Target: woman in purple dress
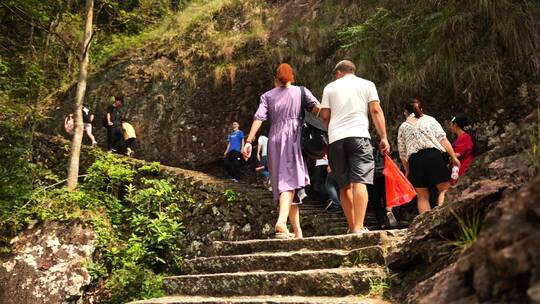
288,170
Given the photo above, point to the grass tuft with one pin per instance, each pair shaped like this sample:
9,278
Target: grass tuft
378,286
469,228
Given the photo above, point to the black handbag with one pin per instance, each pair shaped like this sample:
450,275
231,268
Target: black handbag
314,137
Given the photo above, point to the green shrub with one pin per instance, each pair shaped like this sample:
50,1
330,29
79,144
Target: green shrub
149,169
109,174
137,222
131,282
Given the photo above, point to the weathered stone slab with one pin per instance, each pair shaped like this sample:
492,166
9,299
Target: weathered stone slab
285,261
320,282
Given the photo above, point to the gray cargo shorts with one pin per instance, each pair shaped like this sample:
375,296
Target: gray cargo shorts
351,161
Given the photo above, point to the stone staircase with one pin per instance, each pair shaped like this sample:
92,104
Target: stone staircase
315,220
326,266
324,269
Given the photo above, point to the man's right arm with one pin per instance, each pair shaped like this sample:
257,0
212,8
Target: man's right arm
325,109
377,115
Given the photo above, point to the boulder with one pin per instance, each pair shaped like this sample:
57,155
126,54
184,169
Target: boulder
47,264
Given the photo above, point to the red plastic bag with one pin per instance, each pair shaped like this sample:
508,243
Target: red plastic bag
399,190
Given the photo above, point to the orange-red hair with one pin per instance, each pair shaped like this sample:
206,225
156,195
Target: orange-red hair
284,74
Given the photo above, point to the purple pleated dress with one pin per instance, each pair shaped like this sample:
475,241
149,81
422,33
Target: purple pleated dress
288,169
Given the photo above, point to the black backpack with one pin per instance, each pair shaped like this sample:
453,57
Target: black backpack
314,137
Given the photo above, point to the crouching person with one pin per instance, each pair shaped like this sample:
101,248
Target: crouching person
129,138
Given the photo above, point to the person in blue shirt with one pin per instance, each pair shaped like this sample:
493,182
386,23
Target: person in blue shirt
233,155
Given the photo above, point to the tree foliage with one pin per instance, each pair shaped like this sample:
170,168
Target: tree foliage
39,39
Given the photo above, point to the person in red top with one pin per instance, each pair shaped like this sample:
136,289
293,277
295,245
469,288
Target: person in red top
464,144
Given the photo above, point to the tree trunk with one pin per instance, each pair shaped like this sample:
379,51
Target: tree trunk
73,170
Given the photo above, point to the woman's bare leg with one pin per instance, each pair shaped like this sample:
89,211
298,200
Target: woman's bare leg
294,217
285,200
423,200
442,187
90,135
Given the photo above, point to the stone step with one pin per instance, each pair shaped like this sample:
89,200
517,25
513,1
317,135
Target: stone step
262,300
319,282
321,212
332,222
341,230
285,261
345,242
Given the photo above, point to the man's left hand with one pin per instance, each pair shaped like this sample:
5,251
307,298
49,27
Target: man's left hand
384,146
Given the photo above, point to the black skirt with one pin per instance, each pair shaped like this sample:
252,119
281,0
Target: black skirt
427,168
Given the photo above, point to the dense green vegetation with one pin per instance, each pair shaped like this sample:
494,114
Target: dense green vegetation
39,43
40,40
136,217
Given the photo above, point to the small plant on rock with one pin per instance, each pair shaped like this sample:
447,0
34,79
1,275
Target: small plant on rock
230,195
378,286
469,228
359,259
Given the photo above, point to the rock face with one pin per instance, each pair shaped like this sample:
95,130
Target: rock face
500,266
503,265
47,265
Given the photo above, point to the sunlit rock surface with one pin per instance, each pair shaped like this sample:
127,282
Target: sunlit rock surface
47,264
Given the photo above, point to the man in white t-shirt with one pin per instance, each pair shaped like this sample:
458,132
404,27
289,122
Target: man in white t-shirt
348,100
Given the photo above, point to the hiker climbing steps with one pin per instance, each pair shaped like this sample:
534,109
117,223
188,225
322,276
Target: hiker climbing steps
324,269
